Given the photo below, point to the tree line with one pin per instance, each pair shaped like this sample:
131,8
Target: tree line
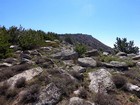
28,39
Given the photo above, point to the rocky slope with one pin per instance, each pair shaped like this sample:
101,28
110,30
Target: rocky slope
57,76
87,40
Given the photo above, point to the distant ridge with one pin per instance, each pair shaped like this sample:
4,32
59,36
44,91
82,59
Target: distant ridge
88,40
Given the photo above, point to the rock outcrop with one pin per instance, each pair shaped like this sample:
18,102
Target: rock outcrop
101,80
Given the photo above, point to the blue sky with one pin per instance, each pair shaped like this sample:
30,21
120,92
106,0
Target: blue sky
103,19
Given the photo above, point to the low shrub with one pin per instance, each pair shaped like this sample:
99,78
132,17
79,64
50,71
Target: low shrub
10,94
102,99
80,49
119,81
21,82
5,74
3,88
65,83
133,73
31,95
83,93
3,100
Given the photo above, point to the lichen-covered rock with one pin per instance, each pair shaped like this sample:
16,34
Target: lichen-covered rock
87,62
49,95
100,80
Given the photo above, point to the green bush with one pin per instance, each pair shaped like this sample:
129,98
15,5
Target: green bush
68,39
30,40
5,50
51,36
80,49
124,46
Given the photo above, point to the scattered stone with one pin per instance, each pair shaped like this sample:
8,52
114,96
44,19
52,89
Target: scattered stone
68,62
105,53
5,65
93,52
79,69
138,64
100,79
121,54
87,62
131,55
79,101
35,53
133,88
116,64
14,47
46,48
137,57
49,95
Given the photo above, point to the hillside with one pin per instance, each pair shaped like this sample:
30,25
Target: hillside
58,76
38,68
88,40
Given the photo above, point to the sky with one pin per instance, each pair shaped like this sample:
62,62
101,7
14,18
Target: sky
103,19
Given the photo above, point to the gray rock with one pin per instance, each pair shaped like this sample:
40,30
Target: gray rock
138,64
93,52
133,88
79,101
121,54
100,80
79,69
87,62
65,55
28,75
116,64
137,57
49,95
